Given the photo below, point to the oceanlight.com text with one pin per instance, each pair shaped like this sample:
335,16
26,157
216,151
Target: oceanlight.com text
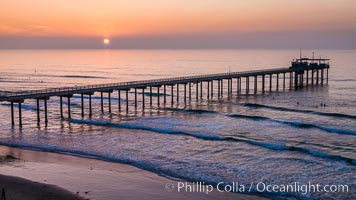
256,187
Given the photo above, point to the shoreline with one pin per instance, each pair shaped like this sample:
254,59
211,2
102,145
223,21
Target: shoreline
96,179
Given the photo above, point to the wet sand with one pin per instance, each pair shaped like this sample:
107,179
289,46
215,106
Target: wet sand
47,173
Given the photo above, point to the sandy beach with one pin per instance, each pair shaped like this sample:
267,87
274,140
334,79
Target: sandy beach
19,188
28,174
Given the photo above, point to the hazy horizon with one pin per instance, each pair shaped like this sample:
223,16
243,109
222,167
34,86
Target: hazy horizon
159,24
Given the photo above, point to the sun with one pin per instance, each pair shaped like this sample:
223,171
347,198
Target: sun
106,41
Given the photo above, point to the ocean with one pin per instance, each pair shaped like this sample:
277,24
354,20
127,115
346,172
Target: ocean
280,137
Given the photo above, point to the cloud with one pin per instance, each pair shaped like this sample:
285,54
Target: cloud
28,30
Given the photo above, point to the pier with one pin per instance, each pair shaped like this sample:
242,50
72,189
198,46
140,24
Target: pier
302,72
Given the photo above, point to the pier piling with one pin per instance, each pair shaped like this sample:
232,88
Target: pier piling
69,114
20,114
172,96
164,94
109,96
101,102
61,106
197,92
277,85
127,101
190,90
255,87
185,92
158,95
82,104
46,115
218,88
143,98
12,114
135,97
119,99
150,96
38,111
247,85
90,109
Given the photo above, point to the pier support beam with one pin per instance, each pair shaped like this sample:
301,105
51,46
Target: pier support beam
127,100
270,82
38,112
12,114
101,102
185,93
284,81
327,75
164,94
158,96
317,76
231,87
208,90
218,88
240,85
150,96
290,80
61,106
46,115
228,88
197,92
296,80
119,99
312,78
277,81
143,99
255,87
20,115
135,97
222,87
263,83
307,78
212,89
177,93
201,89
90,109
190,90
69,114
172,95
301,80
322,76
247,85
109,96
237,86
82,103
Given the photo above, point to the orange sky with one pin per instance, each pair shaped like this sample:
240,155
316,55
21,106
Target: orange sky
112,18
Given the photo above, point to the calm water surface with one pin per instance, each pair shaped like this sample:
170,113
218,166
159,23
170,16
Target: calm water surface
277,138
